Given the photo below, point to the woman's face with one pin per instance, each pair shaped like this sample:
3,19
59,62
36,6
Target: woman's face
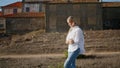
70,23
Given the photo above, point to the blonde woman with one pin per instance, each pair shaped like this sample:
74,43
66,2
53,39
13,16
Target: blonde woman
75,41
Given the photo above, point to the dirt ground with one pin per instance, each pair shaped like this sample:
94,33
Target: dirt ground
46,50
96,60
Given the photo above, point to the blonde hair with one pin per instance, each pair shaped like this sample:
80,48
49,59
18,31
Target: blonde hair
70,18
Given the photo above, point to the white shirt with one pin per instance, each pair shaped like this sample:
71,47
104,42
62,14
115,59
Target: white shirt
76,34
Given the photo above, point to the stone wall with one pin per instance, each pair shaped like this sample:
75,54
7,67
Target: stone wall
23,25
2,25
87,16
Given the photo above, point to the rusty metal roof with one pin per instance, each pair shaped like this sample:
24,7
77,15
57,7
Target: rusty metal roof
16,4
111,4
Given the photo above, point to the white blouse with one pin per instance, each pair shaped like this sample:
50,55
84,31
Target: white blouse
76,34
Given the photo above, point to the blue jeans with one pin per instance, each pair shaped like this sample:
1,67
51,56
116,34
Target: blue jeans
70,61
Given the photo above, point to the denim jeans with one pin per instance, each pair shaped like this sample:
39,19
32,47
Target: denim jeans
70,61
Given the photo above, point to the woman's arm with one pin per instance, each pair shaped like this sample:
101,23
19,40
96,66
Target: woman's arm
71,41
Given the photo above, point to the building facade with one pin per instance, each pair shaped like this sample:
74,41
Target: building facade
51,15
111,15
24,22
34,5
12,8
18,22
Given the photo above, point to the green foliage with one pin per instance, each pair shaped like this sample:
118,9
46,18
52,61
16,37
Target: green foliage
66,54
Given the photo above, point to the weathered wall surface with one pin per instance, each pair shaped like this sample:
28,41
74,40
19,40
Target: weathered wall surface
87,16
23,25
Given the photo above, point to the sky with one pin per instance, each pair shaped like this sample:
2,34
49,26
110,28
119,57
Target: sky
6,2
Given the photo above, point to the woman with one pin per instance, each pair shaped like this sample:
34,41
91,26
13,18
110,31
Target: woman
75,41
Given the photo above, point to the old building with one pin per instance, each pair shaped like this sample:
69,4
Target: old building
12,8
51,15
88,15
111,15
39,5
34,5
18,22
21,23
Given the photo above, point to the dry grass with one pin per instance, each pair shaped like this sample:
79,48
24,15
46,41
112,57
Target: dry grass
90,61
43,43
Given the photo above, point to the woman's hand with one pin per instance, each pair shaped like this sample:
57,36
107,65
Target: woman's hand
67,42
71,41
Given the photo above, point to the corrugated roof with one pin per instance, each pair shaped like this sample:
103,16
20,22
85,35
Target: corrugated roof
30,14
16,4
111,4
